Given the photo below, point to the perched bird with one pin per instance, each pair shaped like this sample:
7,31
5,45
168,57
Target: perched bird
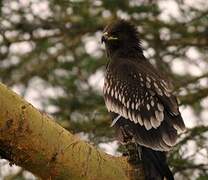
139,98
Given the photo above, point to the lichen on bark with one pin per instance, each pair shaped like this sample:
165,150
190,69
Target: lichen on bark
34,140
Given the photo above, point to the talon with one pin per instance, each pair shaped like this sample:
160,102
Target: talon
133,153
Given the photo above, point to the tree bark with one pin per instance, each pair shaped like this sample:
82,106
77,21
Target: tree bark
33,140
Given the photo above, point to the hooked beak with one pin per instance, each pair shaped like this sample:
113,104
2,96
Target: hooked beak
106,37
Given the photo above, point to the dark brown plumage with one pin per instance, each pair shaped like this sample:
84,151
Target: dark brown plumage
136,94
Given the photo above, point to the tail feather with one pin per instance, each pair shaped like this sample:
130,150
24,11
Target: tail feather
155,165
159,140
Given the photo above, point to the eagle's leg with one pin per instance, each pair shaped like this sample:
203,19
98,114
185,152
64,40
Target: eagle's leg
133,150
134,153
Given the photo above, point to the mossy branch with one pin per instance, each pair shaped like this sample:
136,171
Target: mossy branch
33,140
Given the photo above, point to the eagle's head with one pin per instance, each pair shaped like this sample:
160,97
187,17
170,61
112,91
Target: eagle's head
121,37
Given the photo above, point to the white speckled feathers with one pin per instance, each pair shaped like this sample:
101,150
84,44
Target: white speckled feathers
140,96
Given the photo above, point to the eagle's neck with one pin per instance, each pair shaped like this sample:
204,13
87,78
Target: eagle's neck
125,50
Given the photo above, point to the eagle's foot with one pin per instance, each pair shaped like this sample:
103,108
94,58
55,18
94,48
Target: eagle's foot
134,153
132,149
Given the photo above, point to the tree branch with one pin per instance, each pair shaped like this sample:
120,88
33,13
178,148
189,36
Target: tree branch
191,80
194,97
34,141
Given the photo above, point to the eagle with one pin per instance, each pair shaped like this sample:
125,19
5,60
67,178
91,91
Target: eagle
140,100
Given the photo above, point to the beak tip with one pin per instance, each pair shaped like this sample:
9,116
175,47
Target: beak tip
103,39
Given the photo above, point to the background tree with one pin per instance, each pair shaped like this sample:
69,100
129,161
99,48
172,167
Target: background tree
51,50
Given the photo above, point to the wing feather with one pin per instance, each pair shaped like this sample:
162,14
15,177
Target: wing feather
140,96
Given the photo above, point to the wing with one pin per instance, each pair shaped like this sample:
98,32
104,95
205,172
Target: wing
143,97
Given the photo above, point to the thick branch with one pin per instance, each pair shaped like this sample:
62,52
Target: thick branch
34,141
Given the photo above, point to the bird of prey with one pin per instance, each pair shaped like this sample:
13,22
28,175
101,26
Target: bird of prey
140,99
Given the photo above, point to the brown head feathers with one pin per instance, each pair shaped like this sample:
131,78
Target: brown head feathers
122,26
121,37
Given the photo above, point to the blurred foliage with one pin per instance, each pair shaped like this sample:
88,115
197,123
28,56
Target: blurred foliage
56,44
